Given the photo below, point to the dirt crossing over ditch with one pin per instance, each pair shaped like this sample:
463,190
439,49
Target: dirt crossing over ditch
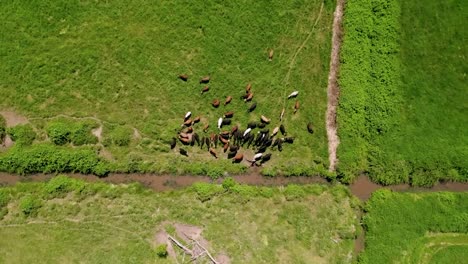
333,89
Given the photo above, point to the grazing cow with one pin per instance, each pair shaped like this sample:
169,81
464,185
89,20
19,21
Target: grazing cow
187,115
252,107
196,120
225,134
310,128
234,129
250,140
280,145
261,125
183,152
268,142
275,131
173,143
247,131
196,138
257,156
248,88
207,143
231,155
249,97
264,119
205,127
282,115
205,79
205,89
265,131
226,121
226,146
233,148
220,122
293,94
215,103
283,130
187,122
189,129
229,114
252,124
262,149
238,158
296,106
183,77
289,140
270,55
265,158
202,142
228,100
213,152
275,143
223,140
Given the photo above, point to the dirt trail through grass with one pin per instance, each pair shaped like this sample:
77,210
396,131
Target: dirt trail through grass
333,89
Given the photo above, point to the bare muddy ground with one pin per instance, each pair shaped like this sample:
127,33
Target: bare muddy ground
12,118
333,89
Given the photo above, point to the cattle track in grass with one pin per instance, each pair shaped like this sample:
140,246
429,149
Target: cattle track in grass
333,89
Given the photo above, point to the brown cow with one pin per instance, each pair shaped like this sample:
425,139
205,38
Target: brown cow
223,140
249,97
196,119
213,152
234,129
229,114
183,77
205,79
270,55
185,141
205,127
228,100
226,146
296,106
205,89
189,129
187,122
238,158
248,88
215,103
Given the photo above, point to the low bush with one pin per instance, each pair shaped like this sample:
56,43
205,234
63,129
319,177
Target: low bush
206,191
117,135
161,250
30,204
46,158
60,185
59,133
22,135
81,134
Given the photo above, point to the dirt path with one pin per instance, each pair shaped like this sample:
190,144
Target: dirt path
333,90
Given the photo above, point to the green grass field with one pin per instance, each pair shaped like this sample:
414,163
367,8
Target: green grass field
68,221
416,228
403,112
118,63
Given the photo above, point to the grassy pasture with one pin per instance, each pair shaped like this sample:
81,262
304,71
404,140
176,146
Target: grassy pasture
403,112
118,62
415,228
82,222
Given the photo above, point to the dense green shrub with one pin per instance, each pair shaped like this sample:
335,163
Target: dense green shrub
46,158
294,192
81,134
4,197
59,133
61,185
206,191
161,250
2,128
30,204
23,135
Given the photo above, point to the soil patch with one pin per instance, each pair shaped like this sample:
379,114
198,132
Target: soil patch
98,133
12,118
333,90
7,143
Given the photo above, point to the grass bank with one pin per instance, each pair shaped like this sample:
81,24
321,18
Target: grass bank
67,220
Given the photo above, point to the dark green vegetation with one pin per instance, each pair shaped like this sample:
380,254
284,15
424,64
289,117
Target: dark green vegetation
66,220
117,62
403,110
416,228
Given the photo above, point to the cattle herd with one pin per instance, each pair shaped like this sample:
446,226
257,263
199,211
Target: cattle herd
234,139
